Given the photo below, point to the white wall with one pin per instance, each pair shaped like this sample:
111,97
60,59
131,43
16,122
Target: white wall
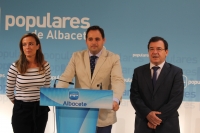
189,117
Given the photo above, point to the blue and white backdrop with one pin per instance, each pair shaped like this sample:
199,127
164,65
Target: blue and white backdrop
128,26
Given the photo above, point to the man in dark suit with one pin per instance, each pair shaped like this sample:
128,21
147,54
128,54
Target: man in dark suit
157,91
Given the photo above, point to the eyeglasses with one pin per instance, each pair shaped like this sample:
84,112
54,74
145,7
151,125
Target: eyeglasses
157,49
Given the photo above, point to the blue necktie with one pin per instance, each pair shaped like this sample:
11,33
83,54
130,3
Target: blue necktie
155,68
92,63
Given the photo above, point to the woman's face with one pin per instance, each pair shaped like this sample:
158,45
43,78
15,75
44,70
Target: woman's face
30,47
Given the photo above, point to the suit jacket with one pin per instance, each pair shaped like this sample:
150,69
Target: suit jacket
107,71
165,97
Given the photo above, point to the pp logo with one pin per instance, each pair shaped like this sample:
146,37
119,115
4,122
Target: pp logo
73,94
185,80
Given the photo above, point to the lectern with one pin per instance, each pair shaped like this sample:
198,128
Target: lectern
76,109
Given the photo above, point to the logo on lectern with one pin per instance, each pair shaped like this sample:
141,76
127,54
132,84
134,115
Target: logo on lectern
73,94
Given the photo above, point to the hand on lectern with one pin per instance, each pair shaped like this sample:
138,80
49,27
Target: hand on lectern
115,106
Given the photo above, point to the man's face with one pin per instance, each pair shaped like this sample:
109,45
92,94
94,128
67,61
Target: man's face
94,41
157,52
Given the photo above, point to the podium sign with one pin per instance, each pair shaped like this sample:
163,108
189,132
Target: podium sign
76,109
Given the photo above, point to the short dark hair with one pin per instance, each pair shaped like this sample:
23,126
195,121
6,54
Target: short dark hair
157,38
95,27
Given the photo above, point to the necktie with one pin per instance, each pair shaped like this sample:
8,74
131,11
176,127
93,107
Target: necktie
92,64
155,68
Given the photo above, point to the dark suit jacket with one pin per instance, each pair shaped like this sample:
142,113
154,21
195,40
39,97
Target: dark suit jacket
165,97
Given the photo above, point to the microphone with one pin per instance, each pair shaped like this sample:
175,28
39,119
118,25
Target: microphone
100,86
54,85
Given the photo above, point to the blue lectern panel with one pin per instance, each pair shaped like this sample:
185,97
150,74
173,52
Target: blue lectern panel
76,120
79,98
76,109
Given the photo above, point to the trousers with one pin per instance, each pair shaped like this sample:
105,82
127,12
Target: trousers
29,117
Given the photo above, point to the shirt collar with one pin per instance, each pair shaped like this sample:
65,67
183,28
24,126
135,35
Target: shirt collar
161,65
96,54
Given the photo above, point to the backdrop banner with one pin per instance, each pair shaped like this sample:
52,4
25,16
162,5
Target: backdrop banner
128,26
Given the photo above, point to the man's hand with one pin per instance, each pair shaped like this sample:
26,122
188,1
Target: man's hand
115,106
153,119
150,125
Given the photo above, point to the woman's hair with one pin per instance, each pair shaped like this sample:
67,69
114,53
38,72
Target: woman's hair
22,62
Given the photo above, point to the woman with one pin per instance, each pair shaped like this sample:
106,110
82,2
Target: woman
26,76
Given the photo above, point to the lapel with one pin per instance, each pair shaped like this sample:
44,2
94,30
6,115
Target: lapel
165,70
99,63
87,64
147,75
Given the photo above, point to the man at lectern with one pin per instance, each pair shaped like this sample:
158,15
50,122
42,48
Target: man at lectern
97,68
157,91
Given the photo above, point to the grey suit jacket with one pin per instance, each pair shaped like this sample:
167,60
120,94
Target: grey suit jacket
107,71
165,97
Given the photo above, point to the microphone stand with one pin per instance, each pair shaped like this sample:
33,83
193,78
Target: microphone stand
54,85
